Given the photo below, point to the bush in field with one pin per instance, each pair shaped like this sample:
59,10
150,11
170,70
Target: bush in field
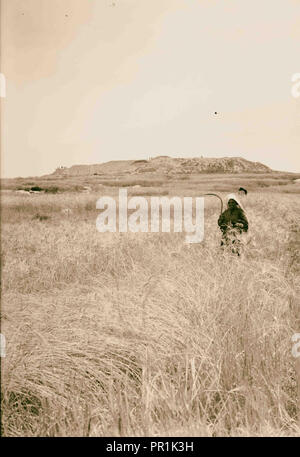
41,217
52,190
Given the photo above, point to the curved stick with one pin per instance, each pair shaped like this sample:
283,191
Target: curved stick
220,198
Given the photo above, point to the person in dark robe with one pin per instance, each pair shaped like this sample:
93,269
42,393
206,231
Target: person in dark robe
233,223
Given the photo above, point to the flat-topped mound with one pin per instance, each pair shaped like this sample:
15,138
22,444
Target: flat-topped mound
167,165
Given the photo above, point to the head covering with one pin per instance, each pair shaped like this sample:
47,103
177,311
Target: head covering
233,197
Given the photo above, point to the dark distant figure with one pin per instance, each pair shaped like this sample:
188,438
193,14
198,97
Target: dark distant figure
233,222
243,191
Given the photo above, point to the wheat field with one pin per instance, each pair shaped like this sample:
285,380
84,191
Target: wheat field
142,334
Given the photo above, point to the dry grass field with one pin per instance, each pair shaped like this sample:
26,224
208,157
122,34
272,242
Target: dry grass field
142,334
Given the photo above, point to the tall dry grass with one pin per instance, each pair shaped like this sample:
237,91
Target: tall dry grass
141,334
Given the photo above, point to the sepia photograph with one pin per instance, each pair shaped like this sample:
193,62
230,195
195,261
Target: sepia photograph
150,221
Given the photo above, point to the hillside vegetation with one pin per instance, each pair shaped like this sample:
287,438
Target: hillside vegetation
167,166
160,174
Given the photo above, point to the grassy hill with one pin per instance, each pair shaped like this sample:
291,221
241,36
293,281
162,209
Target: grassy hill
167,166
196,174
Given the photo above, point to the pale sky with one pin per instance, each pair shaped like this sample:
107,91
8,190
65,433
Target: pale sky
88,81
